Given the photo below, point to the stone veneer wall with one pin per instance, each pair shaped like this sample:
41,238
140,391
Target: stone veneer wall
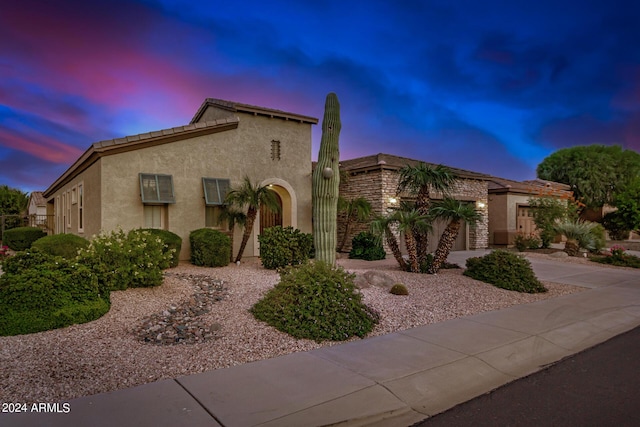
379,187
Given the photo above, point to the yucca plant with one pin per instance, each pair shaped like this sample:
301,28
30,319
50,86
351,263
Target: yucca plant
579,234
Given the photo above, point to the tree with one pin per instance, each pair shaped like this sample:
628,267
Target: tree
419,181
354,209
456,212
12,201
628,204
412,223
232,216
381,226
251,196
596,173
547,212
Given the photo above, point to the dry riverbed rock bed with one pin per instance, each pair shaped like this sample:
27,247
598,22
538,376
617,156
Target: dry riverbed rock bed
199,320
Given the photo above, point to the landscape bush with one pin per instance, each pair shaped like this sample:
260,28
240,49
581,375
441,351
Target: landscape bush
39,292
316,301
366,246
123,260
280,247
523,242
505,270
172,242
209,248
615,224
399,289
21,238
64,245
618,257
425,266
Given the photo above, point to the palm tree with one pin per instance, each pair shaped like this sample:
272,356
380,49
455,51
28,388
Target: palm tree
232,216
456,212
381,226
358,208
252,196
579,234
420,180
412,223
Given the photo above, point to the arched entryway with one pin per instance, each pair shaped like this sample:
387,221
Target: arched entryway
269,218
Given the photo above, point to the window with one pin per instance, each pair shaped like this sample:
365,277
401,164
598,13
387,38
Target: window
156,188
68,208
80,207
212,216
64,213
215,190
74,195
275,150
154,216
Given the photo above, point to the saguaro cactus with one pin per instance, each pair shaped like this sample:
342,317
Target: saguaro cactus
326,180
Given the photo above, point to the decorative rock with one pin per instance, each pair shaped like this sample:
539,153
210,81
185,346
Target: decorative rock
559,254
374,278
184,324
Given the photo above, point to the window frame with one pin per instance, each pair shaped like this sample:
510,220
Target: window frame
221,198
80,204
158,200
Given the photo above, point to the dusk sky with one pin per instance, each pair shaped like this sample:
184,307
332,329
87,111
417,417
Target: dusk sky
490,86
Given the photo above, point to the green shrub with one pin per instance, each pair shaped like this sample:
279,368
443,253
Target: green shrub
366,246
618,257
280,247
316,301
615,224
123,260
523,242
505,270
428,260
21,238
209,248
399,289
64,245
172,242
39,292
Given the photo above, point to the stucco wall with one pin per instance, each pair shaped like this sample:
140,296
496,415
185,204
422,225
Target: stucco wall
228,155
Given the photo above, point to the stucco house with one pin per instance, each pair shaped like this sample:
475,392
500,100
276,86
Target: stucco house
176,179
509,210
376,177
37,212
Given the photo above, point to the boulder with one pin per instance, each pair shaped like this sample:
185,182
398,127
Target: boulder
374,278
559,254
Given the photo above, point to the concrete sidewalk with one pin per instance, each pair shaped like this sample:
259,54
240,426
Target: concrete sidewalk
393,380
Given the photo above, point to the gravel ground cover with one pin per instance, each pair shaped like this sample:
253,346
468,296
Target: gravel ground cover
138,341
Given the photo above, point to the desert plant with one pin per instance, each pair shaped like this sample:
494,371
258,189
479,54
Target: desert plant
399,289
580,234
251,196
366,246
316,301
358,209
618,257
505,270
420,180
523,242
280,247
456,212
39,292
549,211
326,181
122,260
172,244
21,238
413,224
381,226
64,245
209,248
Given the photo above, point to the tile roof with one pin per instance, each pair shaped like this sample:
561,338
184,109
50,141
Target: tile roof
38,198
534,186
251,109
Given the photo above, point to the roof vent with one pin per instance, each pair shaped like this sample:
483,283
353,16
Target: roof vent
382,162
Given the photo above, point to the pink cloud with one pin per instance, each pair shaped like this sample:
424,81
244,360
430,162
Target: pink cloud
39,146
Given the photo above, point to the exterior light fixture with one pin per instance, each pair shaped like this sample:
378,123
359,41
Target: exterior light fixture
393,200
480,204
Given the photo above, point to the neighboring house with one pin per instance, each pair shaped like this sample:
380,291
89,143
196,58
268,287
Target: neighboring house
509,210
376,178
176,179
37,211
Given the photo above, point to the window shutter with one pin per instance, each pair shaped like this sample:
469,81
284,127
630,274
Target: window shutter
155,188
215,190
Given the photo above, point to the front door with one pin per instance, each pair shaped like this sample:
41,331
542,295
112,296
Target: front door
524,221
268,218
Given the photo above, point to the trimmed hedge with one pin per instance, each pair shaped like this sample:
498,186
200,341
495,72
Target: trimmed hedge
171,241
366,246
505,270
209,248
64,245
316,301
280,247
21,238
39,292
